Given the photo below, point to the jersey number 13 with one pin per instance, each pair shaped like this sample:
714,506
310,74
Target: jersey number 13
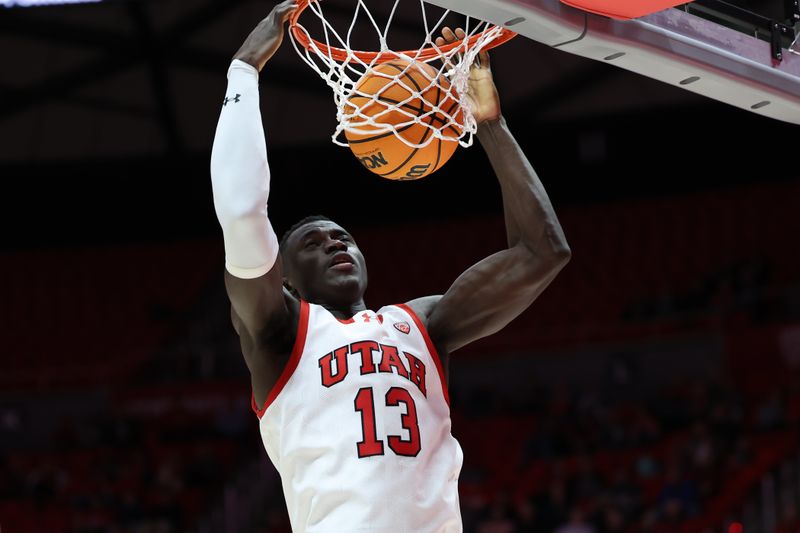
370,444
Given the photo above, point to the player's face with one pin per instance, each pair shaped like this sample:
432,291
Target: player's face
326,265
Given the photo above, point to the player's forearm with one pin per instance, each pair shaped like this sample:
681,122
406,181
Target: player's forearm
530,218
240,177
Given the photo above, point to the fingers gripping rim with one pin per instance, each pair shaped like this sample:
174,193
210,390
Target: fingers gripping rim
424,54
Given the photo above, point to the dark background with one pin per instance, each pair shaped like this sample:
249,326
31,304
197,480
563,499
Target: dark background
119,101
651,388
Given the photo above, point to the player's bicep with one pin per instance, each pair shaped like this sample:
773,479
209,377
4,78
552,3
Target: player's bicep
488,296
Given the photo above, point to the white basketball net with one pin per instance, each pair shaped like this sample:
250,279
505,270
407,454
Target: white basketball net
342,76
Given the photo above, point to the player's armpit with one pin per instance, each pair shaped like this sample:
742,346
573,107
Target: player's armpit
263,310
266,317
424,306
489,295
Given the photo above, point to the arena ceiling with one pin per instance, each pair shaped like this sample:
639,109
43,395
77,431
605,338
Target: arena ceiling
147,77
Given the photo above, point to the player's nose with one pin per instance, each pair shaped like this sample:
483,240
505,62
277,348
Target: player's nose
333,246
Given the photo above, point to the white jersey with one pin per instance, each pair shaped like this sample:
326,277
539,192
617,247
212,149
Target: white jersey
358,426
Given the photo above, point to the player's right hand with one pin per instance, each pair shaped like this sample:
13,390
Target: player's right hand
267,37
481,96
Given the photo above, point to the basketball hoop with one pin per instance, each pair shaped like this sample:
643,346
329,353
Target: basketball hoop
342,67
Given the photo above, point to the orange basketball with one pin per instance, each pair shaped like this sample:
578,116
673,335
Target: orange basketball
384,153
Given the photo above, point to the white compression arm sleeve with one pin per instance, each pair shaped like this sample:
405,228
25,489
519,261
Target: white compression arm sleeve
240,178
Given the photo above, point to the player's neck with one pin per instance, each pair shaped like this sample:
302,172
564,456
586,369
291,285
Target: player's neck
345,311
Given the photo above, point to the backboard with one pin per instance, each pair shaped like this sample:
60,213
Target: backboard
685,46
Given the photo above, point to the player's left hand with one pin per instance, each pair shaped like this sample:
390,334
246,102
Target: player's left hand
267,37
482,97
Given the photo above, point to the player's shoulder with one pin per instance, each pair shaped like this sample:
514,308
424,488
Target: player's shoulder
423,307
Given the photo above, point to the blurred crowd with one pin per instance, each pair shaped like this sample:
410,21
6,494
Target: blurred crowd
121,474
592,464
555,459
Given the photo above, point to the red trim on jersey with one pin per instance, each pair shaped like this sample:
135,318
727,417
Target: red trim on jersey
348,321
291,364
431,348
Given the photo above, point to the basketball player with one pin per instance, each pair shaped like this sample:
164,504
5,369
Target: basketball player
353,403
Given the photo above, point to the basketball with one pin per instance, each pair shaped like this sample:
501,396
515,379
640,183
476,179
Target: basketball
384,153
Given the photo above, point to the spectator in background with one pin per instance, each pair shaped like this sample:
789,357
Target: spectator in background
701,449
498,519
527,516
771,414
679,496
554,505
622,496
612,520
577,523
585,484
643,427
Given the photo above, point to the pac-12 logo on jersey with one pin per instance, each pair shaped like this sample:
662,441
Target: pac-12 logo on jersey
402,327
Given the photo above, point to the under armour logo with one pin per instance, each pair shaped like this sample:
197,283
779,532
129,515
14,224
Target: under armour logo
235,100
367,318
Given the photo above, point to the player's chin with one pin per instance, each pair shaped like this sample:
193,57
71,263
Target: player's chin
340,278
343,288
344,280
